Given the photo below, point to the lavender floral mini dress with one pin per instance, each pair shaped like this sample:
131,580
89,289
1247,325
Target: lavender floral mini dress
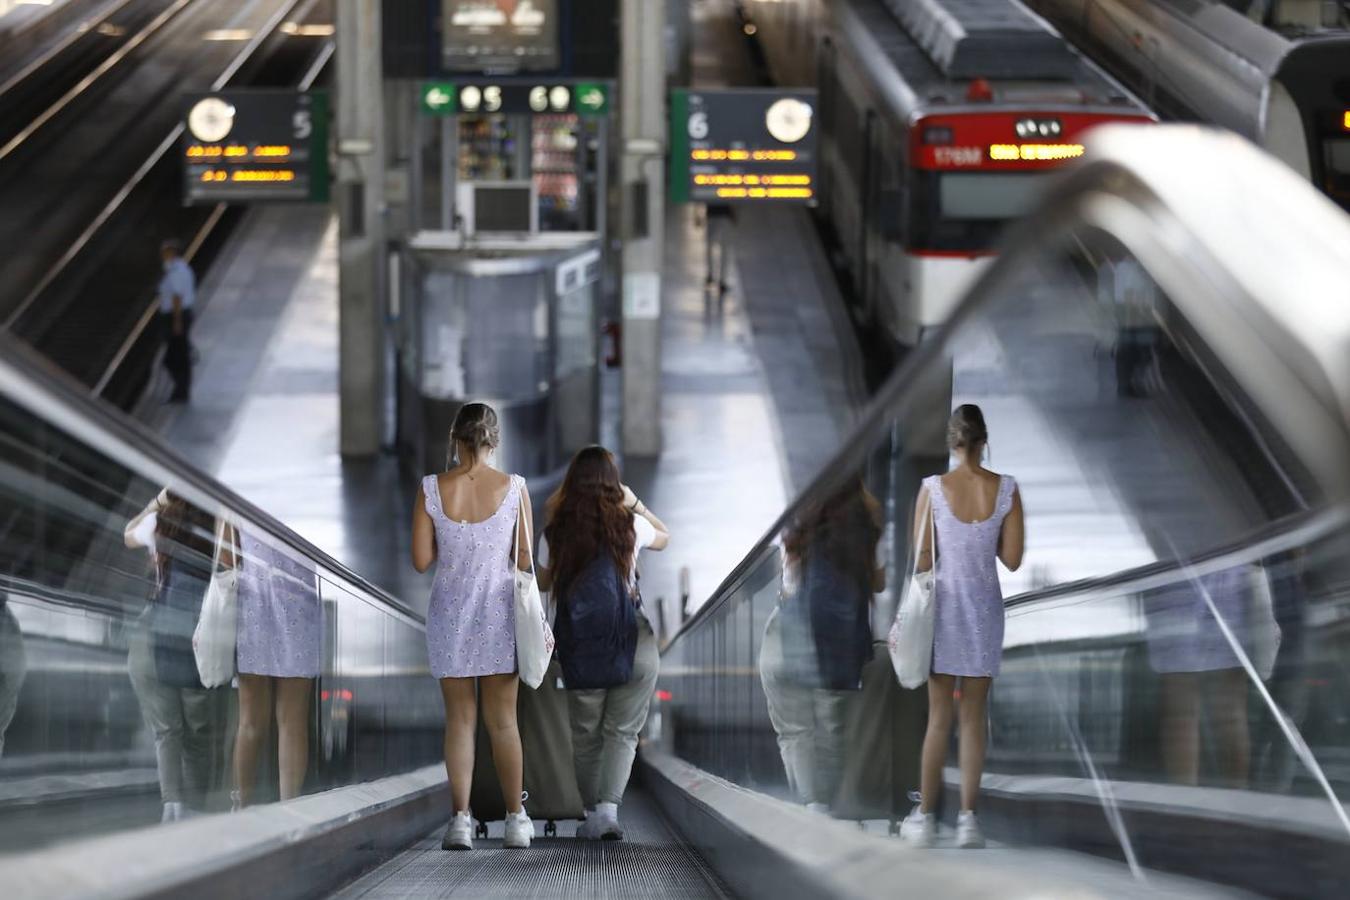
968,602
471,623
280,617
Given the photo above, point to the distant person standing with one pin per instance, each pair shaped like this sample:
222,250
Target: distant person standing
720,220
177,295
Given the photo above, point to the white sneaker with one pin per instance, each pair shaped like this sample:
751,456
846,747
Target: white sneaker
821,808
919,828
459,836
607,822
519,830
968,834
589,829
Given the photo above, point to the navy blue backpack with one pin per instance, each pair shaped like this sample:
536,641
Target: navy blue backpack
826,629
596,629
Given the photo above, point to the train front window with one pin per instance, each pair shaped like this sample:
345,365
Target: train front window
987,195
966,210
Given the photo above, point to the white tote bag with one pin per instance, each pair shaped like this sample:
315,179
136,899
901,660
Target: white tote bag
534,638
911,635
1263,631
213,640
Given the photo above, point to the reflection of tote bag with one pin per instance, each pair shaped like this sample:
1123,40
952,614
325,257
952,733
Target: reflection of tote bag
911,635
1263,632
534,639
213,641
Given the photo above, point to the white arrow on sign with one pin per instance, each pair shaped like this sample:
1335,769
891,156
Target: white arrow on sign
593,98
437,98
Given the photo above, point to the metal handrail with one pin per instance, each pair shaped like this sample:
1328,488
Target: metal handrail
1211,265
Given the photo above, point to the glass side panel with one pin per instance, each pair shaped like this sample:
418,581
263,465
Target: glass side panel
1140,459
106,719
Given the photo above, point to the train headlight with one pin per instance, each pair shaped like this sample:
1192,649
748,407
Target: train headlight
1038,128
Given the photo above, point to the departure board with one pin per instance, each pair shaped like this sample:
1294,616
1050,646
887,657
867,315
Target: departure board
743,146
255,145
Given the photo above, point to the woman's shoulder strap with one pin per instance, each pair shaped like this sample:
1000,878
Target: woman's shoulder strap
431,488
933,484
1006,486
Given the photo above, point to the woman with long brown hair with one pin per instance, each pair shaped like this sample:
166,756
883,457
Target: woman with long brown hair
185,718
606,646
819,638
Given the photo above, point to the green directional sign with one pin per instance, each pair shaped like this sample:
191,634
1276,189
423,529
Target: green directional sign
478,96
592,98
438,98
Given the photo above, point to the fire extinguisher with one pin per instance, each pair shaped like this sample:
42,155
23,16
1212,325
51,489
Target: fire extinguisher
613,329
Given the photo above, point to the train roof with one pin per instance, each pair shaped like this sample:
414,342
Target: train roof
985,38
914,82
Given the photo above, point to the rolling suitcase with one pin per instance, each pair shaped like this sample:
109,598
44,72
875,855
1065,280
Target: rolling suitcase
546,742
883,742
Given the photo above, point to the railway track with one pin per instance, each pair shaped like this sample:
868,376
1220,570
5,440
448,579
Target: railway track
96,186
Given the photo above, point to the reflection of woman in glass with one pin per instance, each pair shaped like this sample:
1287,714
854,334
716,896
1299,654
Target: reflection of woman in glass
977,515
183,715
817,641
1198,668
279,652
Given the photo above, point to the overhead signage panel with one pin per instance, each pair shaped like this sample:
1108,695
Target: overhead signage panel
482,96
252,145
743,145
499,36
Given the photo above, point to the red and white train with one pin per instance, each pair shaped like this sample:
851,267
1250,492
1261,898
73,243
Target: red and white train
938,125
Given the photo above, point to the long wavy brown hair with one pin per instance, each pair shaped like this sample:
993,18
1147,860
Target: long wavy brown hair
586,517
841,530
183,533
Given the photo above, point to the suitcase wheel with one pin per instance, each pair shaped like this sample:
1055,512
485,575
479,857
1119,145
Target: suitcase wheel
481,830
550,828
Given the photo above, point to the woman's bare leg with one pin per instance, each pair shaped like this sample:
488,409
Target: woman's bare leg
255,717
499,715
1179,729
1226,702
461,726
292,733
935,741
974,736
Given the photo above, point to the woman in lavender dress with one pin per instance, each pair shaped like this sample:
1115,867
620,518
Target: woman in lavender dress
279,654
978,519
465,520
